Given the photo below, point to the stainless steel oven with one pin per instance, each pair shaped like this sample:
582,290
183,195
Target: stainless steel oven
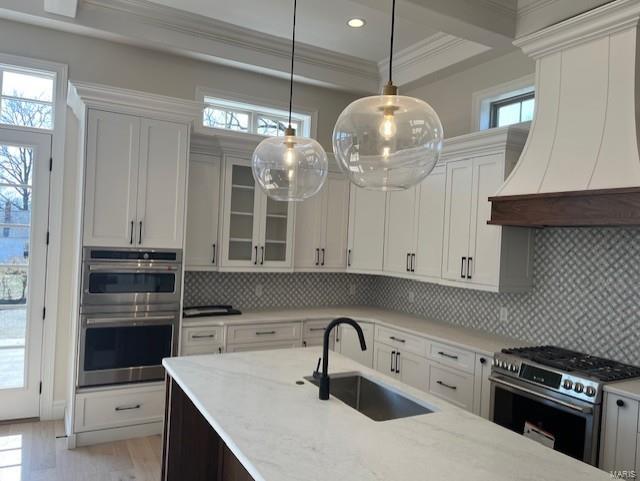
131,277
125,347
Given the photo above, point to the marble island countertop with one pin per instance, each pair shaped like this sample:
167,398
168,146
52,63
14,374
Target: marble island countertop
464,337
280,431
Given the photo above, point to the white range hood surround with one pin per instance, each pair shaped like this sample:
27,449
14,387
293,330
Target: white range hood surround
584,137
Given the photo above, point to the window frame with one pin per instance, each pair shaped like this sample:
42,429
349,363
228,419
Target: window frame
495,106
34,72
481,100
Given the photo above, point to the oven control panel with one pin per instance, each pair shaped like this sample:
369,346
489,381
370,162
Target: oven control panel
564,383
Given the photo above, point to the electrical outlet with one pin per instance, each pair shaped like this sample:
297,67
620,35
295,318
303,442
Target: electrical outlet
352,289
504,315
412,297
258,290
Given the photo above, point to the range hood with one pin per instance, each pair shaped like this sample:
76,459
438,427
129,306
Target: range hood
580,165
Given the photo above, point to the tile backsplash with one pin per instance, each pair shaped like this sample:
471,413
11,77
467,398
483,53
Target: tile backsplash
586,294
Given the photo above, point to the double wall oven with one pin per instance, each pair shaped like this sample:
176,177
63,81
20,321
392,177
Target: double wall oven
129,314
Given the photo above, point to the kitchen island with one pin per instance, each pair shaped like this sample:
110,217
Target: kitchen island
253,416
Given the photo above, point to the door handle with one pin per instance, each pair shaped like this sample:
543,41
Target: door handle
407,263
450,356
255,263
265,333
348,257
213,258
322,263
262,255
128,408
393,356
317,256
413,262
398,362
448,386
131,239
397,339
469,265
140,237
203,336
462,267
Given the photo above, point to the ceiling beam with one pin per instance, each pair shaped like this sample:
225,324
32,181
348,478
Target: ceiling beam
67,8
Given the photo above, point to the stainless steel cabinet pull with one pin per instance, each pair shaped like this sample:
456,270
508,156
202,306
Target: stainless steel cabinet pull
393,356
450,356
203,336
413,262
128,408
469,265
462,267
397,339
317,256
448,386
322,263
397,362
213,258
262,255
140,238
131,240
265,333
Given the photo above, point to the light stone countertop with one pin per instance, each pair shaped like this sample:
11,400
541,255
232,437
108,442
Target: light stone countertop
280,431
630,389
464,337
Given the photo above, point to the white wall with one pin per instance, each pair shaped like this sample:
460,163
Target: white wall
119,65
452,96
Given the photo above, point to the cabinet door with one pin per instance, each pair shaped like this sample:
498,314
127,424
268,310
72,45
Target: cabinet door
308,231
399,238
619,434
162,184
384,359
484,249
336,222
413,370
241,205
430,225
111,183
482,386
457,219
276,246
366,230
201,244
347,343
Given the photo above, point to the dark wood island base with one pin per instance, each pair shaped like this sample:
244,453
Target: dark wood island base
192,449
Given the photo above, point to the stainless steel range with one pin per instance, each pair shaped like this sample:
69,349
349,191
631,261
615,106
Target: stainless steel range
554,396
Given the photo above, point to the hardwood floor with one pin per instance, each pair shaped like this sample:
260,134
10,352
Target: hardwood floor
31,452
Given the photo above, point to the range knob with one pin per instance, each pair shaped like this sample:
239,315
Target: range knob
590,391
579,387
568,384
513,368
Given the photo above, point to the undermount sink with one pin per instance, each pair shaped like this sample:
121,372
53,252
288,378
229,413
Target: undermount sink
370,398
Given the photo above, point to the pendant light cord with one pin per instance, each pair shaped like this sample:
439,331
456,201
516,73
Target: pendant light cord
393,27
293,52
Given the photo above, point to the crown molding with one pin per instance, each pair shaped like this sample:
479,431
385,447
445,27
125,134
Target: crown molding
434,53
486,141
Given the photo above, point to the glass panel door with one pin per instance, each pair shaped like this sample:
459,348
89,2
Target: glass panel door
242,213
24,199
276,231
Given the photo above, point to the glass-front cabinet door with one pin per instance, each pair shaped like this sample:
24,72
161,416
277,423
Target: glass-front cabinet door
257,231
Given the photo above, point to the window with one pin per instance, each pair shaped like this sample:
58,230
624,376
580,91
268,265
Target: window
252,119
26,98
512,110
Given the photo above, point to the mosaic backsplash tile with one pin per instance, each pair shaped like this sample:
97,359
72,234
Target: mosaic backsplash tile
586,294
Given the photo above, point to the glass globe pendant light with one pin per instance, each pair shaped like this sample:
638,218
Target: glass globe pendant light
388,141
290,168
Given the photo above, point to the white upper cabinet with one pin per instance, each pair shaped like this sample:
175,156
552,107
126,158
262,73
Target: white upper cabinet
162,178
476,254
321,227
257,231
111,181
135,181
400,242
366,230
201,243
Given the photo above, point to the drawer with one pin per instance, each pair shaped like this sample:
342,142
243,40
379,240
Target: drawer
314,328
201,336
451,385
289,331
406,342
263,346
453,356
202,349
319,341
119,407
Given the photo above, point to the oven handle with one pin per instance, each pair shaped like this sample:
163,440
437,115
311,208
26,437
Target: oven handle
128,320
517,387
132,267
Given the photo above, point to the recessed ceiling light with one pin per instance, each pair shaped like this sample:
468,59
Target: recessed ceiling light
356,22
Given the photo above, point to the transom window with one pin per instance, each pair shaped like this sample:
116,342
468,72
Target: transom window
512,110
26,98
252,119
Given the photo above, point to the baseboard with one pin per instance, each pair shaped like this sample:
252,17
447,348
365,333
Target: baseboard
116,434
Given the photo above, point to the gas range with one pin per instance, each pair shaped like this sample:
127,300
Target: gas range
563,371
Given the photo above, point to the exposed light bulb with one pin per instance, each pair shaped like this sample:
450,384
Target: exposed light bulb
388,127
289,156
385,152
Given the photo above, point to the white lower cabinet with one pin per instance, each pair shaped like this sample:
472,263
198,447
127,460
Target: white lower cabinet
619,436
112,408
202,340
348,344
482,386
313,333
452,385
263,346
409,368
